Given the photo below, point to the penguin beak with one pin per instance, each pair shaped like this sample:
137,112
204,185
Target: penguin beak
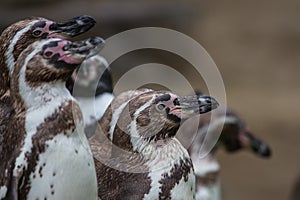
85,48
76,52
194,105
258,146
73,27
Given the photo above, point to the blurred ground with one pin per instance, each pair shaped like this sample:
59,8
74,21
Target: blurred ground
255,45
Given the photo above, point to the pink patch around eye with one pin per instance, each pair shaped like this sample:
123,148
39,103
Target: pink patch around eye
63,55
47,27
53,34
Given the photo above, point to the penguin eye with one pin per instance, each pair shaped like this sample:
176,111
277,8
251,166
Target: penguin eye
37,33
48,54
160,107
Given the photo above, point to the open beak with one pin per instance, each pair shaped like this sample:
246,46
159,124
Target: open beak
80,50
73,27
194,105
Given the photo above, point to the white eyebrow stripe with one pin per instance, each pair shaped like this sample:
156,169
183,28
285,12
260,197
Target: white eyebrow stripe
10,61
133,126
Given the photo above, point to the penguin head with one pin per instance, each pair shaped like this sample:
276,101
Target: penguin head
17,37
54,59
158,114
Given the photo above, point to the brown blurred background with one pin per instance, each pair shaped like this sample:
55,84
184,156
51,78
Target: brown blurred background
254,44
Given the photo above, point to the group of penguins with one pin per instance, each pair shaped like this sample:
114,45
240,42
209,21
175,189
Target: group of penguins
64,135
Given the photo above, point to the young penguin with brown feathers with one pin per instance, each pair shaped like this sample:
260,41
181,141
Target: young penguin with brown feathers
53,159
14,40
21,34
234,136
146,161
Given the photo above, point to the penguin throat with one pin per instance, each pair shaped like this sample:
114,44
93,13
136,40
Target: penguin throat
163,134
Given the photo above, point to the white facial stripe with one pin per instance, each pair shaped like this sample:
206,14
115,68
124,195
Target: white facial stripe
114,119
32,98
116,114
135,137
41,102
230,120
9,52
38,47
160,159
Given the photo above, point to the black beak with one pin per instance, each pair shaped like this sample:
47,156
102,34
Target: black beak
75,26
193,105
85,48
207,103
259,147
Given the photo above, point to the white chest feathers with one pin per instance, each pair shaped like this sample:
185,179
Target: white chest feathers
207,178
64,171
55,160
171,173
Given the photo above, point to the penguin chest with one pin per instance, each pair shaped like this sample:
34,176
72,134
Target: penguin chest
65,170
172,176
172,182
207,178
185,189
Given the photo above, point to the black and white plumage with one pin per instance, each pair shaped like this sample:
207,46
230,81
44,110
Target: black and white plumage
92,87
235,136
53,159
14,40
21,34
145,161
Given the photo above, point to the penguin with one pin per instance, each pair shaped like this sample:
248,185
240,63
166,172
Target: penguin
135,150
52,159
14,40
235,136
92,86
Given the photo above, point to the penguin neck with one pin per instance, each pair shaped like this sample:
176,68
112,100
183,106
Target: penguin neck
44,94
151,151
166,150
